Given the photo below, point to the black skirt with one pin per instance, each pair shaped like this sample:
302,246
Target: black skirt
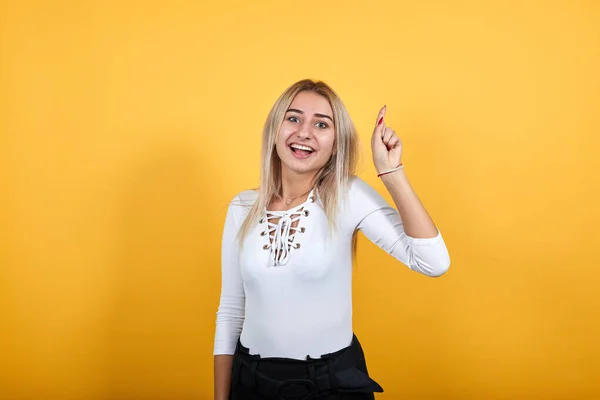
341,375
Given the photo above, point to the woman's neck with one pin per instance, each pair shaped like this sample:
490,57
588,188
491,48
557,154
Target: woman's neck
295,185
294,190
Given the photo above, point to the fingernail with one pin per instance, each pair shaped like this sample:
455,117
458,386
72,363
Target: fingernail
380,121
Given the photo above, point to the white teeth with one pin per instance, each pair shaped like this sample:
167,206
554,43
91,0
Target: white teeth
300,147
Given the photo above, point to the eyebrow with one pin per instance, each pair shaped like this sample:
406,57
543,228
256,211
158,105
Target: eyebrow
318,115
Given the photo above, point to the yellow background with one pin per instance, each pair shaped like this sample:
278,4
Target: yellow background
126,127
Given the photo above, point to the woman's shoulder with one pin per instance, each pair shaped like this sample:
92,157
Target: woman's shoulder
361,195
355,181
240,205
358,187
245,198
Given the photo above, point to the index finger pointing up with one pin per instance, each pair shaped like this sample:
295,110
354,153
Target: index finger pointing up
381,115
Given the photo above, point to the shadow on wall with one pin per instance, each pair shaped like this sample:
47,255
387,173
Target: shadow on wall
161,299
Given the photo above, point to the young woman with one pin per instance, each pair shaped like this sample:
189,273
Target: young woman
284,322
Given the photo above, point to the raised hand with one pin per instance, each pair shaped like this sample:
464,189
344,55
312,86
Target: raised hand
385,144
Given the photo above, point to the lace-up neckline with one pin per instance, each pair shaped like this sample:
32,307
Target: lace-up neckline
281,231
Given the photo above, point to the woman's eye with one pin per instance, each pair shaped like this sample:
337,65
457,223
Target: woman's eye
322,125
293,119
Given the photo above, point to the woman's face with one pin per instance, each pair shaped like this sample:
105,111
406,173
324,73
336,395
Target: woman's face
307,135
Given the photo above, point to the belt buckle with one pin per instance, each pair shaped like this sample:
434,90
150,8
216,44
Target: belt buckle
305,383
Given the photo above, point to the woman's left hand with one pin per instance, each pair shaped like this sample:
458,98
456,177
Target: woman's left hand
385,144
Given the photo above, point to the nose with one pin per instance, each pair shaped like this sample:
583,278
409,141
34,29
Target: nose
304,131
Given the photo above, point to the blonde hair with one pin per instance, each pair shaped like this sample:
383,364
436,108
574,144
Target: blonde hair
331,181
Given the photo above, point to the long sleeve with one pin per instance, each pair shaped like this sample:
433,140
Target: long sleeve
230,313
382,225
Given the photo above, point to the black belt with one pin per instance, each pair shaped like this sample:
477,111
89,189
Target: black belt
341,372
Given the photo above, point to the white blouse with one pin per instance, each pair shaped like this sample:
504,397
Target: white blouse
288,291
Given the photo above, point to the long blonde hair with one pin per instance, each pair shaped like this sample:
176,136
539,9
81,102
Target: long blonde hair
331,181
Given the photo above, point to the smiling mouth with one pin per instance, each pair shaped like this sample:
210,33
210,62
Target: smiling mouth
301,151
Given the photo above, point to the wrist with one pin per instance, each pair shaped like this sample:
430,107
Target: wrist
391,170
394,180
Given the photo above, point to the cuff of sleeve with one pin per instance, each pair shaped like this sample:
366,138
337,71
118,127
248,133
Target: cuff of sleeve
224,349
